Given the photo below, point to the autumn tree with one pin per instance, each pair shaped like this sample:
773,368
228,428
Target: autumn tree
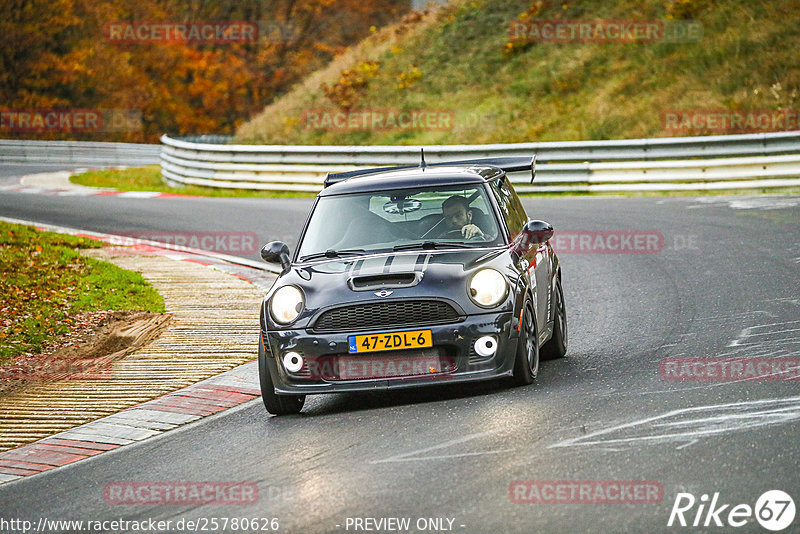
55,54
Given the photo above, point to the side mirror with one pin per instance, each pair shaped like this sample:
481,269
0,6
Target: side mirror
276,252
533,233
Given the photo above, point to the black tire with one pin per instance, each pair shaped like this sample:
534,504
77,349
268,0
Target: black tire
556,346
526,362
274,403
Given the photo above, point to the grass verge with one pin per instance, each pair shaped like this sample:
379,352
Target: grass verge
461,60
149,179
45,281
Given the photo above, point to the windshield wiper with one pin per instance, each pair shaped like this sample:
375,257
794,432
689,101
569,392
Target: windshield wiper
432,245
330,253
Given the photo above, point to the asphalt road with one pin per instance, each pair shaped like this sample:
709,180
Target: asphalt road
726,283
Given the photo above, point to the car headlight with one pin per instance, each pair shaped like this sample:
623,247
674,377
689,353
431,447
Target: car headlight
488,288
286,304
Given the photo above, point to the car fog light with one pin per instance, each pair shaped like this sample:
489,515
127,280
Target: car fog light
292,362
486,346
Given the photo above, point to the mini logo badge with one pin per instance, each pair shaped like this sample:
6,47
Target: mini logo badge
383,293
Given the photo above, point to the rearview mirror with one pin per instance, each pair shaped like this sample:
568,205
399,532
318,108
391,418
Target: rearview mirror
276,252
402,206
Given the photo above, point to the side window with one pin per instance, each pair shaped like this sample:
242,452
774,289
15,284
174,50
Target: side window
480,204
510,207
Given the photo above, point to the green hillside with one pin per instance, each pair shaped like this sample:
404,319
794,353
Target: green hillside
459,63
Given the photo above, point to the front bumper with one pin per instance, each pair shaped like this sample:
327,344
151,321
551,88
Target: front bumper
454,344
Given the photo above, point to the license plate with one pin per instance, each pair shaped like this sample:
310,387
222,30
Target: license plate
414,339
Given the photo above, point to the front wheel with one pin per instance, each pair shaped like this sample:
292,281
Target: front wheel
556,346
526,363
274,403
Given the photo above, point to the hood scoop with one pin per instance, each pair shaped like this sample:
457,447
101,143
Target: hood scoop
384,281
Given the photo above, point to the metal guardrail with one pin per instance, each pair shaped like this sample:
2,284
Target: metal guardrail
708,162
78,153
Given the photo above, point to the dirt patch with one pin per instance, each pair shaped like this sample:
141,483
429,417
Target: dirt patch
87,351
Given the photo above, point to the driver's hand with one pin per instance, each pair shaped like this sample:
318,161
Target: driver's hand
471,230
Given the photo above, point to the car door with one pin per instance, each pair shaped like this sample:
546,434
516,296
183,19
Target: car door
542,268
534,258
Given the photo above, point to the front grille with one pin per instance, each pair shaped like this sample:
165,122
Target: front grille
304,371
473,358
401,313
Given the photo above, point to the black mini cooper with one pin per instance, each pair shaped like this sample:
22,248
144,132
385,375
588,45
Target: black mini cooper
408,277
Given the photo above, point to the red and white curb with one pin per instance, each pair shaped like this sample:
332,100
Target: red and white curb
57,184
134,424
87,192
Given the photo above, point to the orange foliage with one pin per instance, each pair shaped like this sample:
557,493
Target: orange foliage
56,54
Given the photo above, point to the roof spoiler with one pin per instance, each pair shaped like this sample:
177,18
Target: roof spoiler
507,164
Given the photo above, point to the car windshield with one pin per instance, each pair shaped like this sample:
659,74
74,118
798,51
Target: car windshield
425,218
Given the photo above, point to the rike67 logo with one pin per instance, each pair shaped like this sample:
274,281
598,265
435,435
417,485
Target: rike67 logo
774,510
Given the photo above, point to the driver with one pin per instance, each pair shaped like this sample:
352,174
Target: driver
458,216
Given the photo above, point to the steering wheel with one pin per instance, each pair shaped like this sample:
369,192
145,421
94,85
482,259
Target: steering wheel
451,234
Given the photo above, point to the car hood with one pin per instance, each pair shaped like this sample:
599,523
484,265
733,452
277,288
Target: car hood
385,277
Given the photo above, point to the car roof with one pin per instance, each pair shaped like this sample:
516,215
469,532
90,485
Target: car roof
414,177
